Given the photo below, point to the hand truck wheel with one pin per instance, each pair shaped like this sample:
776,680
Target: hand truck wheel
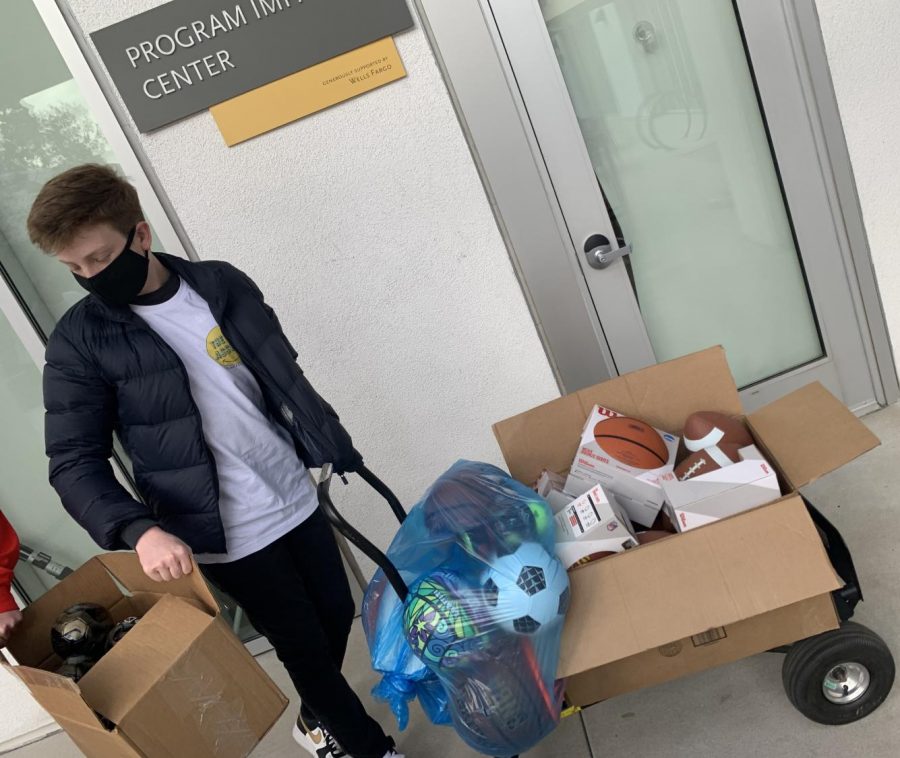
840,676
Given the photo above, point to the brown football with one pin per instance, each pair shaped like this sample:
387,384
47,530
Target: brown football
704,461
708,428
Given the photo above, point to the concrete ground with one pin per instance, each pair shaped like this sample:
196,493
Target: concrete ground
738,710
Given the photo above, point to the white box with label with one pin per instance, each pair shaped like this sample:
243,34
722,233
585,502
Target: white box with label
721,493
637,489
551,487
592,523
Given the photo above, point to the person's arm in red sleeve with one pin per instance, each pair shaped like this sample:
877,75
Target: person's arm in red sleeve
9,556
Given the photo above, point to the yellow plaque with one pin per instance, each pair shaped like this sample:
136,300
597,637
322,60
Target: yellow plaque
310,90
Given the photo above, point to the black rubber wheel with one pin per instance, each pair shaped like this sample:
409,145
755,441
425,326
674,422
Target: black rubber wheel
839,677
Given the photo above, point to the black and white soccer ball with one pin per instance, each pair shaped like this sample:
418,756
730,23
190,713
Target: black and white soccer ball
527,591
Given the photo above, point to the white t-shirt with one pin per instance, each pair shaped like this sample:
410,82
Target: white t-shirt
264,488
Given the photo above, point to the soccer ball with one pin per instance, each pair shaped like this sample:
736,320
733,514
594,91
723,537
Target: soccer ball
527,591
75,669
79,633
119,631
438,626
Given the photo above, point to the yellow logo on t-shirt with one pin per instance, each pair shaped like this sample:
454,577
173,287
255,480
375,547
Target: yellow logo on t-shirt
220,349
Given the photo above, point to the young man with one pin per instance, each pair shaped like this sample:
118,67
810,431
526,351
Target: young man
190,367
9,556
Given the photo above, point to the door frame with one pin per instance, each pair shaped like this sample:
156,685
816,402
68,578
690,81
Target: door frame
482,85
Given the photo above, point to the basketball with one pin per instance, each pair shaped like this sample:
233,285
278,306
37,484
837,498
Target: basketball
631,442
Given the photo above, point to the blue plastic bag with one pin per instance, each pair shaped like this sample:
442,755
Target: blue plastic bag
477,639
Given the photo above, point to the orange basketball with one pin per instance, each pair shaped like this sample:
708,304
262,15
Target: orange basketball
631,442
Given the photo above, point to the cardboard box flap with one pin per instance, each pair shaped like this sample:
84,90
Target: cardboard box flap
90,583
705,579
58,695
215,700
547,437
126,568
97,742
165,633
664,395
810,433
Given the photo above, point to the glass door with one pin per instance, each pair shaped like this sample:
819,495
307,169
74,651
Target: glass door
679,128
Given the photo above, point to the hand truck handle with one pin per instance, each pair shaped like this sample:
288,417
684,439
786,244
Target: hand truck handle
344,527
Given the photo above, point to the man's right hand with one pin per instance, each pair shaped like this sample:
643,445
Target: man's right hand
163,556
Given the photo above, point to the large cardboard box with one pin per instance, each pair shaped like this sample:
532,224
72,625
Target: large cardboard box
178,684
712,595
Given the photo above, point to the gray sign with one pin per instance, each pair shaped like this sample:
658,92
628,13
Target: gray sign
184,56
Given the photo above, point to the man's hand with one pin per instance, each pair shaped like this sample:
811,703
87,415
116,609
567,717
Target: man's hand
163,556
8,621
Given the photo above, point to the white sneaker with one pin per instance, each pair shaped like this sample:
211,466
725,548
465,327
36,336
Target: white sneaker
317,741
393,754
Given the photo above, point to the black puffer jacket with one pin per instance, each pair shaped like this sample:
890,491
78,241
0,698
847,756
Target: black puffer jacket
107,371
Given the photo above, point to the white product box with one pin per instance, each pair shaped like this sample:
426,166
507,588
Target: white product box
593,523
551,487
637,490
721,493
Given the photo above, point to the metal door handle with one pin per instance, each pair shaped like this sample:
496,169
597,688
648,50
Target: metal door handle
600,253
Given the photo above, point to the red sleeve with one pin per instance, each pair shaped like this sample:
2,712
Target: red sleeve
9,556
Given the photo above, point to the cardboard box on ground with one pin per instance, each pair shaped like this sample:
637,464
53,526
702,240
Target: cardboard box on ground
711,595
179,683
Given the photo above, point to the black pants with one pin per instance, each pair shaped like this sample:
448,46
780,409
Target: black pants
295,592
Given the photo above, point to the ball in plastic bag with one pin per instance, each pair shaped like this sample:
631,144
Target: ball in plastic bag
528,590
513,524
500,706
543,520
438,625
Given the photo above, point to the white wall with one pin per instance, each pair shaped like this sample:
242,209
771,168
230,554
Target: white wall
863,43
21,719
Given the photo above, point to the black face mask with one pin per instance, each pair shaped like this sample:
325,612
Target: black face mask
123,279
